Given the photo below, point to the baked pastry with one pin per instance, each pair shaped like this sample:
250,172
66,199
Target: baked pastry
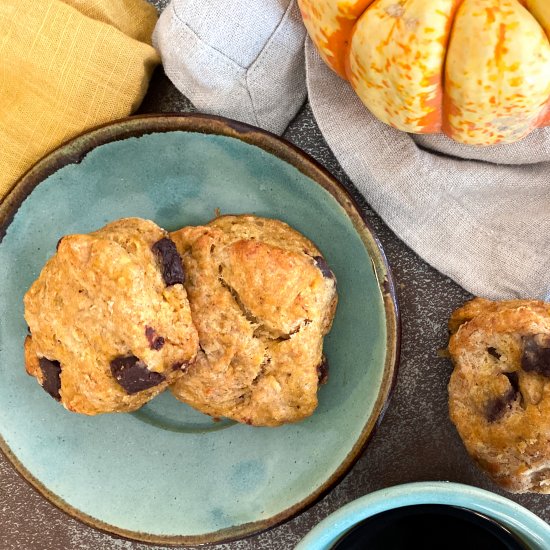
110,324
262,298
499,392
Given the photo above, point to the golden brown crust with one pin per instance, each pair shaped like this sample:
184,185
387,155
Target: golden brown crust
31,360
100,297
261,306
477,306
499,403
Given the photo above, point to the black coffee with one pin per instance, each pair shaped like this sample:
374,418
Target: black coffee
429,527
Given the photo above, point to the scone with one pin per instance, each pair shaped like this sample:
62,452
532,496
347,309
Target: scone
262,298
499,392
110,324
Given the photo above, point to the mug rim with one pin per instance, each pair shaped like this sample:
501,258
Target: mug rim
532,530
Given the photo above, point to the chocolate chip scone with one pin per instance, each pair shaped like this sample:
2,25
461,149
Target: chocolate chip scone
262,298
110,324
499,392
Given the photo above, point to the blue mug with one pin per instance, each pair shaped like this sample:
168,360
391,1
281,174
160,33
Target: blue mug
532,531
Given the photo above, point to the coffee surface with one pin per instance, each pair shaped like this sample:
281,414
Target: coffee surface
429,527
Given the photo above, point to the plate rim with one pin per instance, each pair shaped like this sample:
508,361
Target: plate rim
74,150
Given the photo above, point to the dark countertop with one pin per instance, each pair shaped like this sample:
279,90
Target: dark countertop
415,441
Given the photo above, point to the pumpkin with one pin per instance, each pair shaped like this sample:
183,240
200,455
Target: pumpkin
477,70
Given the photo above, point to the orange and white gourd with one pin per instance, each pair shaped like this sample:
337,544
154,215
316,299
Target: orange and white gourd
477,70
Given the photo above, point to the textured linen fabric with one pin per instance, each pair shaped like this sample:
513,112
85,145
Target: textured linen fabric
242,59
66,66
485,225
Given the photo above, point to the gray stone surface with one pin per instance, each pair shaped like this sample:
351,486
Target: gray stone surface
415,441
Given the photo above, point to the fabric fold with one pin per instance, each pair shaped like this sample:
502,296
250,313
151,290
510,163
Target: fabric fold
67,66
240,59
485,225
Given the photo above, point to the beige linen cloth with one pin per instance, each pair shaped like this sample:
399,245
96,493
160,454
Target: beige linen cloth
479,215
67,66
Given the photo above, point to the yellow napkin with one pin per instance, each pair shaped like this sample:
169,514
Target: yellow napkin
66,66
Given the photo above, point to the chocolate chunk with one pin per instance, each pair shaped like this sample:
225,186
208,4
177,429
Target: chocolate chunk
181,365
536,354
492,351
155,342
170,261
322,370
497,406
133,375
323,267
51,372
513,378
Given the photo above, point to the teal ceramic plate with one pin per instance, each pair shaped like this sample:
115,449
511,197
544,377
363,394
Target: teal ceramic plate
167,474
529,528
